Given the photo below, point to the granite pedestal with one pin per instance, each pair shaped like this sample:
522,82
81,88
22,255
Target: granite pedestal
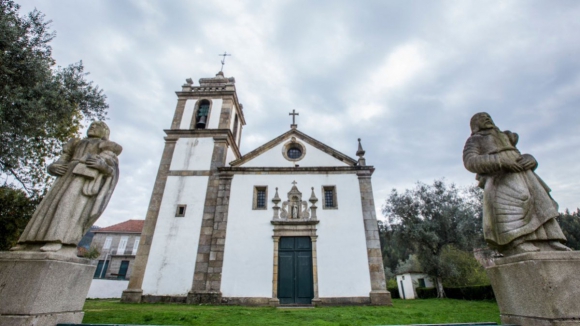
538,289
38,288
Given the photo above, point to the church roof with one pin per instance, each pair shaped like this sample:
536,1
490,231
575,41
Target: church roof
304,137
129,226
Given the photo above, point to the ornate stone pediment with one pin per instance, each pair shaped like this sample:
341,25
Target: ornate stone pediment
294,209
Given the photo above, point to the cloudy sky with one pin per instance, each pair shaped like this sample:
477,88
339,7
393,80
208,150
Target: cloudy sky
405,76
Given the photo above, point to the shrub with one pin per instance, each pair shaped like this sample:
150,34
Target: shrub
426,293
394,292
481,292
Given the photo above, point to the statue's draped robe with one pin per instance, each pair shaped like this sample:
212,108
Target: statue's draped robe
74,202
517,205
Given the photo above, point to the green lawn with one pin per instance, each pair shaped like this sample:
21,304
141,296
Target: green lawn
426,311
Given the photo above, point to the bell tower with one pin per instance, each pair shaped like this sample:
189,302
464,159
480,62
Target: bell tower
205,135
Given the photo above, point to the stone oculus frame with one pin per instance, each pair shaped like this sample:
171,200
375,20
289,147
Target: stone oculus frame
293,143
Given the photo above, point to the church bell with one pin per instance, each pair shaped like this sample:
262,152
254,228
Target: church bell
201,122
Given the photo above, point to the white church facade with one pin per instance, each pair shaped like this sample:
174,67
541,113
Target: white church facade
292,222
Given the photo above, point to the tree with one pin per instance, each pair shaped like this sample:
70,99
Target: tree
462,268
570,224
41,106
394,249
17,209
433,217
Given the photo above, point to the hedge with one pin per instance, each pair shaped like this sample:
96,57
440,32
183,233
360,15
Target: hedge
394,293
426,293
480,292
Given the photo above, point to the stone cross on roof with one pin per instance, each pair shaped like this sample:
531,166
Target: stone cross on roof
293,114
224,59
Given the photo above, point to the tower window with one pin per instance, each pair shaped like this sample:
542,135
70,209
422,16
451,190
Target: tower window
235,128
260,195
202,114
329,193
180,212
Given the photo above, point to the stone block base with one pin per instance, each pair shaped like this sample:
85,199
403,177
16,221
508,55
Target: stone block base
131,296
163,299
37,288
381,298
204,297
42,319
530,321
538,289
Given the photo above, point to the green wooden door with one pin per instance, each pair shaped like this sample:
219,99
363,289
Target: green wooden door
295,270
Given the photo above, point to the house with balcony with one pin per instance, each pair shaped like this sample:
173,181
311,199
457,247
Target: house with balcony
117,245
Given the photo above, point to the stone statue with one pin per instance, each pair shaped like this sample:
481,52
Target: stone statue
87,172
518,211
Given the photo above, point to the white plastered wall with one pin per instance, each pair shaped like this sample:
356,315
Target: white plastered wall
192,154
187,114
313,157
341,247
214,115
230,156
171,261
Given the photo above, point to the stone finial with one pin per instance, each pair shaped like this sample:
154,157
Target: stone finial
276,200
361,154
189,81
313,208
313,198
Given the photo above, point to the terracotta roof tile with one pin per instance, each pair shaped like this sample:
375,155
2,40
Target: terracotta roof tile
130,226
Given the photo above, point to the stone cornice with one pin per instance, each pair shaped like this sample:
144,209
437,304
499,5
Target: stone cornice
218,134
302,136
366,170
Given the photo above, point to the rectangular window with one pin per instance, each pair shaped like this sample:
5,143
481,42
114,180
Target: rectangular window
122,245
329,195
123,270
101,270
180,211
107,244
260,197
135,246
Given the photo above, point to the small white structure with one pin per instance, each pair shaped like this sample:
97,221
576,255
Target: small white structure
408,283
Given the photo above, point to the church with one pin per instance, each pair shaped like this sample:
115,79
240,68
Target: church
292,222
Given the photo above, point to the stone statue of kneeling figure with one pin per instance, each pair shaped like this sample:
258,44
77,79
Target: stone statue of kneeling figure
87,173
518,211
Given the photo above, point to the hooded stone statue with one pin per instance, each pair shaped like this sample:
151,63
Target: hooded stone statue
518,211
87,173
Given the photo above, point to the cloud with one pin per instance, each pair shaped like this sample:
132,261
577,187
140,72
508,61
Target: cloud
405,76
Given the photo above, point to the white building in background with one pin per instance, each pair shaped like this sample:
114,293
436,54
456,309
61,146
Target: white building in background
409,282
291,222
117,245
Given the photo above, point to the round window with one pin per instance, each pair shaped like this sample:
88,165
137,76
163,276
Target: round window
293,150
294,153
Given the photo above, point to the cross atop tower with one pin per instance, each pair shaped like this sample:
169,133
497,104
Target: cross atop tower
293,114
224,59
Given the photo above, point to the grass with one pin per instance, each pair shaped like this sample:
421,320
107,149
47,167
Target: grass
427,311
